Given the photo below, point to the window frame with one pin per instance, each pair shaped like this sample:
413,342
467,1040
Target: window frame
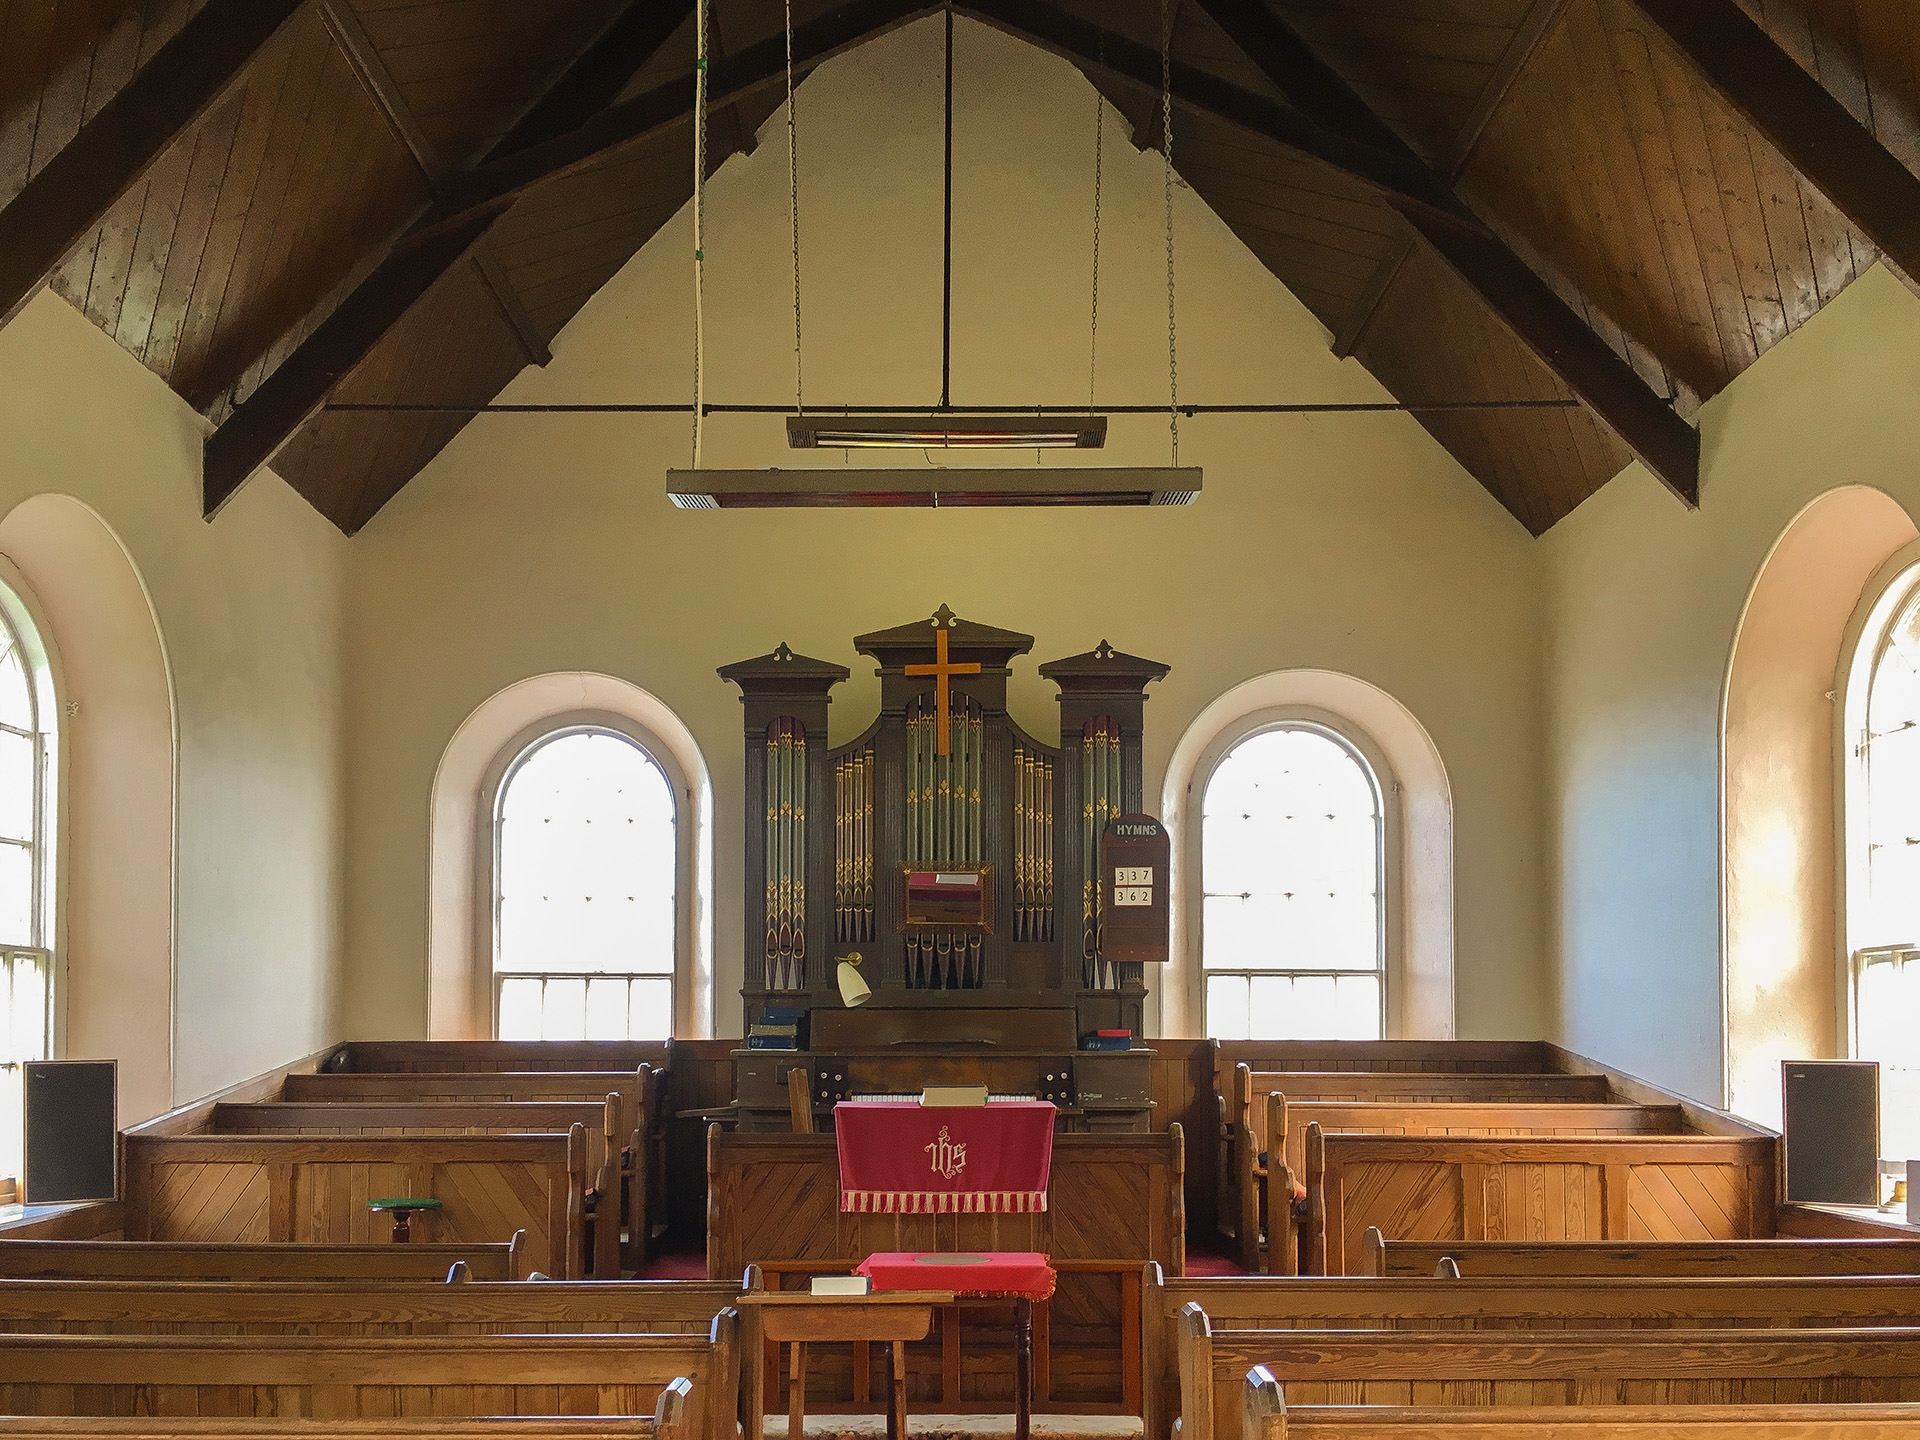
1887,599
489,819
24,624
1387,851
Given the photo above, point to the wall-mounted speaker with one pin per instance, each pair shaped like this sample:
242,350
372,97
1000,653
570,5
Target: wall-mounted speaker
1832,1124
72,1131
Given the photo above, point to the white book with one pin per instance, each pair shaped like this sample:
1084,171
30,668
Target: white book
842,1285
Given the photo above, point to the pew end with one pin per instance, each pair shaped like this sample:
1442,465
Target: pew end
672,1410
1264,1414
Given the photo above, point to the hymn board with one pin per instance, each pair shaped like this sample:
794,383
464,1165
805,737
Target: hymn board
958,858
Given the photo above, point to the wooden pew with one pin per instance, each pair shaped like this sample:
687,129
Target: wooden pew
359,1057
194,1261
1538,1368
374,1378
642,1132
600,1118
666,1423
1622,1187
1281,1134
1506,1304
1429,1088
1491,1258
1114,1203
346,1309
1267,1416
276,1188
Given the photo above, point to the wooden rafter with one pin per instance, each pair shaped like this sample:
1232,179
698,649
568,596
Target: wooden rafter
76,188
1557,336
479,195
1833,152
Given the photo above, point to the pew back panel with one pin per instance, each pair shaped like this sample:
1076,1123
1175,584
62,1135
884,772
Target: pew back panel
397,1056
1656,1187
463,1376
1758,1257
277,1188
359,1309
1425,1088
191,1261
155,1427
1539,1368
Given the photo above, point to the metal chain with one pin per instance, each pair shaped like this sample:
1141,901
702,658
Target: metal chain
1166,179
699,219
793,211
1093,328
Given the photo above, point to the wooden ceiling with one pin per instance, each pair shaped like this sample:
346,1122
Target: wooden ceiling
283,207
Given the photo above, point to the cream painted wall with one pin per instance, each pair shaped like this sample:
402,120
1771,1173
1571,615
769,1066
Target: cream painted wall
1643,599
544,544
250,612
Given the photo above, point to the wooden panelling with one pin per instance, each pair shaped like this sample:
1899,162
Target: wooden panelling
86,1260
347,1309
372,1378
1674,1187
273,1189
1751,1258
1270,1417
1182,1079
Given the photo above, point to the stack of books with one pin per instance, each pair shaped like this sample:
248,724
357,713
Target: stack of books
778,1029
1107,1040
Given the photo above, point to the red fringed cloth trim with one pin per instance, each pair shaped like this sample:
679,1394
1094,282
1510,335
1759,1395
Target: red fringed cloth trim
947,1202
998,1274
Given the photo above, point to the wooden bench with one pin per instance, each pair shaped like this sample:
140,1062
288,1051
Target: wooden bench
176,1260
275,1188
374,1378
361,1057
1506,1304
1281,1135
1265,1415
1490,1258
668,1422
1449,1188
1538,1368
357,1308
599,1117
642,1127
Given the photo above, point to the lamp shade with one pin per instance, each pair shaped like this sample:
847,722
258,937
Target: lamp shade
853,990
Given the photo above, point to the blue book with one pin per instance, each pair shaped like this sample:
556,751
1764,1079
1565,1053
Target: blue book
1106,1042
772,1042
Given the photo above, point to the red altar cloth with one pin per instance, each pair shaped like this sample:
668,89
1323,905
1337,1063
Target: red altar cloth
989,1272
902,1158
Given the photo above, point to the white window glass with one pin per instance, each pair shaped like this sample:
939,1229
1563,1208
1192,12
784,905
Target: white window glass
1886,928
26,807
586,890
1290,856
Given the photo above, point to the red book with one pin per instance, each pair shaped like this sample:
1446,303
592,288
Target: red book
1114,1034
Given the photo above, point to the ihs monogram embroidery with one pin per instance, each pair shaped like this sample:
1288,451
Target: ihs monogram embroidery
948,1159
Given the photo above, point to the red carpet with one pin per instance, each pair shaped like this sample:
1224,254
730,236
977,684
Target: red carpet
1206,1264
676,1265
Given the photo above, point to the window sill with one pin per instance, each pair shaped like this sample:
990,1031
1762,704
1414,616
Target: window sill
1836,1221
75,1220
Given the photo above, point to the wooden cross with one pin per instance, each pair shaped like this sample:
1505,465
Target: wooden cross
941,670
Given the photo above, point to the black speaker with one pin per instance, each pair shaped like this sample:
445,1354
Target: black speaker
1832,1124
72,1130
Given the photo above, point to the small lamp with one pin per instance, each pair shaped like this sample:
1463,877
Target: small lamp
853,990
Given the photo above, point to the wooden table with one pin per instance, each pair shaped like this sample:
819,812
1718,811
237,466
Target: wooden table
895,1316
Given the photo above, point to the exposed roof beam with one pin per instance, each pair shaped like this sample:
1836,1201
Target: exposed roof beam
1558,337
1532,31
1833,152
297,388
72,194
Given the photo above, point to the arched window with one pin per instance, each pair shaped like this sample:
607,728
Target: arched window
585,893
1883,919
1293,885
28,713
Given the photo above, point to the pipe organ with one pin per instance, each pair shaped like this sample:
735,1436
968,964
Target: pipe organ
963,869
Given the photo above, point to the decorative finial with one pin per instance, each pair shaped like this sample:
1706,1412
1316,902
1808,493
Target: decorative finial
782,653
1103,651
943,618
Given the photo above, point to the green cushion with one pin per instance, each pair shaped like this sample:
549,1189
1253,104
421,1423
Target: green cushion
402,1203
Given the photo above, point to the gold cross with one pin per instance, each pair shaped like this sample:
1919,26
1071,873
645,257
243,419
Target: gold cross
941,670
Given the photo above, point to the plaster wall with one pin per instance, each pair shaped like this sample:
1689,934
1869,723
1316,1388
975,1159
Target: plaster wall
1644,601
543,544
248,614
